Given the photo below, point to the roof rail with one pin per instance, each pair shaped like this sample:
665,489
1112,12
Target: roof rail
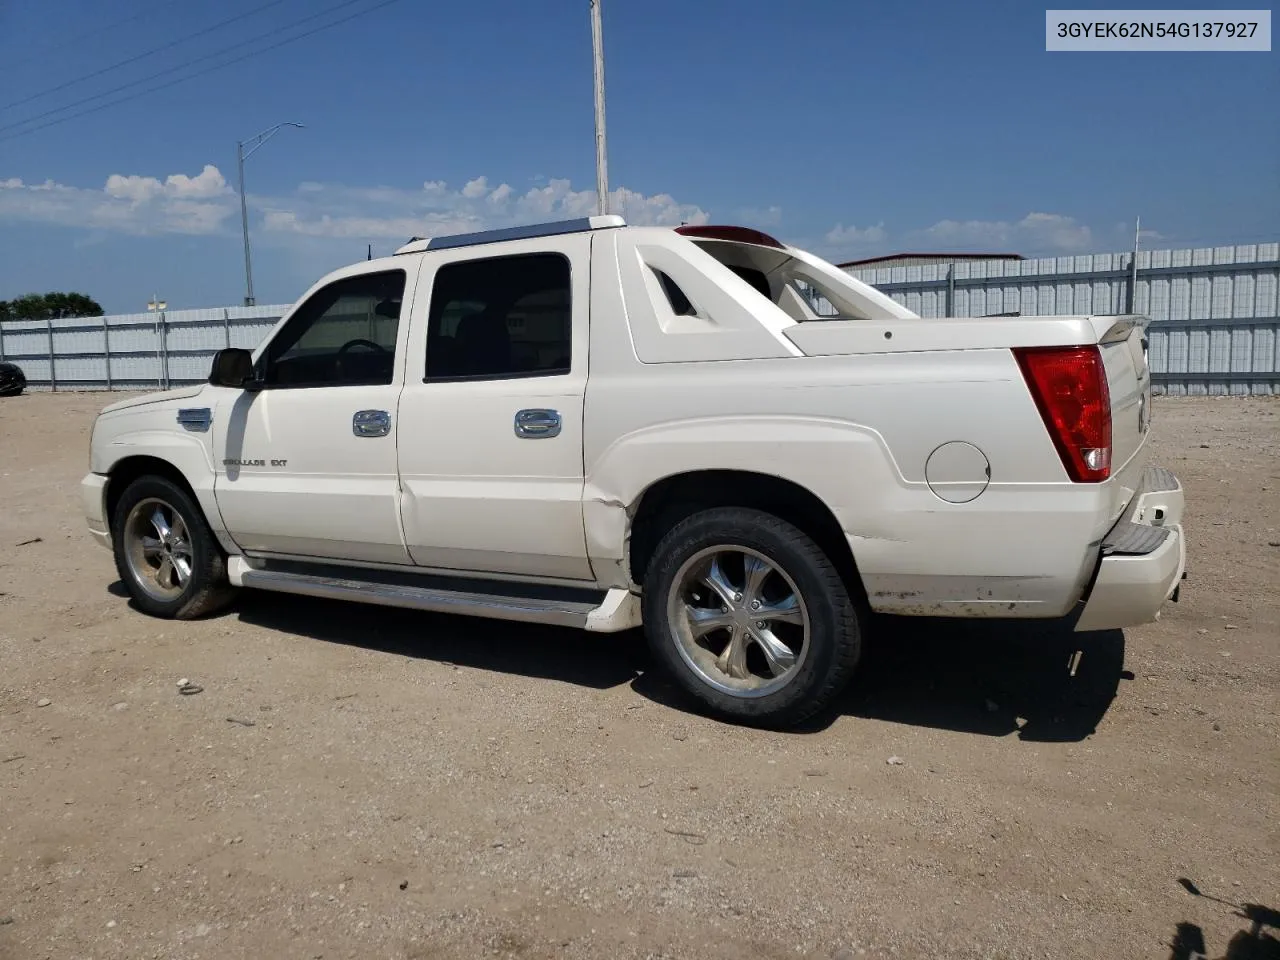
579,225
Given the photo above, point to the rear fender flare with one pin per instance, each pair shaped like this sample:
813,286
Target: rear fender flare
845,465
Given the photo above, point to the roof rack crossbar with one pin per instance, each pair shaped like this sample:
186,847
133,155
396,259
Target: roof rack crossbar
577,225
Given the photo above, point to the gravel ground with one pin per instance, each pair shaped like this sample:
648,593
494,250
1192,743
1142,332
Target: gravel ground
360,782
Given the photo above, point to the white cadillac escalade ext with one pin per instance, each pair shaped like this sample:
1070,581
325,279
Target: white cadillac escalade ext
701,430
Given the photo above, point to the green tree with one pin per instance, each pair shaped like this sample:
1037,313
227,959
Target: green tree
41,306
29,306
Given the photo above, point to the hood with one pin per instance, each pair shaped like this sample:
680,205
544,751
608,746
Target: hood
179,394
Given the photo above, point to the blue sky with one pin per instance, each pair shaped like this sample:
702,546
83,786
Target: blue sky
852,129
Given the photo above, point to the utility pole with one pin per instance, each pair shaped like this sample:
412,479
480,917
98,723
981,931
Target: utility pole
248,266
244,226
241,156
602,160
1133,266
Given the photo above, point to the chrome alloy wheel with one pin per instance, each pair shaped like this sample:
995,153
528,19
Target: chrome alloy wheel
157,548
738,620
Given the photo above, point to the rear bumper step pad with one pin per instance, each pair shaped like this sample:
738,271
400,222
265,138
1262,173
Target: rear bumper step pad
1144,557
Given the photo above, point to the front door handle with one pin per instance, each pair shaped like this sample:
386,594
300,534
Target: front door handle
537,424
371,423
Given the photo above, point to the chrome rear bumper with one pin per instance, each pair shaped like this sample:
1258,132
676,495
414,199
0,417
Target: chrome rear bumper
1144,557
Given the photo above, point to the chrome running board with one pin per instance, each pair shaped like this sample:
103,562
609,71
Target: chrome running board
594,610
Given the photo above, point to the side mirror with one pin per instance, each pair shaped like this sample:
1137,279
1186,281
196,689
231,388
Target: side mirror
232,367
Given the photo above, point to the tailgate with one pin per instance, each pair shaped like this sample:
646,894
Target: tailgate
1123,344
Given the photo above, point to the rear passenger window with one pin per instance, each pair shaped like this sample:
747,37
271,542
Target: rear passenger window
500,317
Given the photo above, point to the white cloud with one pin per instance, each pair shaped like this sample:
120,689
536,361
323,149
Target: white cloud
851,237
371,228
1033,234
659,210
137,189
344,212
190,216
126,203
209,182
558,197
204,203
476,188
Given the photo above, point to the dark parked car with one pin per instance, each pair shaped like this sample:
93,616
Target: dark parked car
12,380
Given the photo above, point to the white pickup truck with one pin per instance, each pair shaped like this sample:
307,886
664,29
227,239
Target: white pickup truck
698,429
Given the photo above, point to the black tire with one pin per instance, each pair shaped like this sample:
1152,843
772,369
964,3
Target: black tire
206,588
834,639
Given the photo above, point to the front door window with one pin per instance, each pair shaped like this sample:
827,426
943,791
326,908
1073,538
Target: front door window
344,335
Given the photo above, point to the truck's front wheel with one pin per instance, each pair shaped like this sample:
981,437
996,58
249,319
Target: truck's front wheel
750,616
165,553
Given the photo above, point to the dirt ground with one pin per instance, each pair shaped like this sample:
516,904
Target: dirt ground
360,782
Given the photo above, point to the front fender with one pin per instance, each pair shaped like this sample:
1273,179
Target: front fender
185,453
153,432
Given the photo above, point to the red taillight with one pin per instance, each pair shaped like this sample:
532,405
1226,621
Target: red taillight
1069,386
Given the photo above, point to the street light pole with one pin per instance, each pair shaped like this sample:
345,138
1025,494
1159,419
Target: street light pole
244,225
602,159
241,156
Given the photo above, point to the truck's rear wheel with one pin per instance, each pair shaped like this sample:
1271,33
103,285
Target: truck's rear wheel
165,553
750,616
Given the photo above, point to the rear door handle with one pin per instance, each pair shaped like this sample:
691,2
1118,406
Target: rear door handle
537,424
371,423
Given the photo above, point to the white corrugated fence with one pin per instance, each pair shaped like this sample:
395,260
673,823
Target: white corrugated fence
132,351
1215,312
1215,319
